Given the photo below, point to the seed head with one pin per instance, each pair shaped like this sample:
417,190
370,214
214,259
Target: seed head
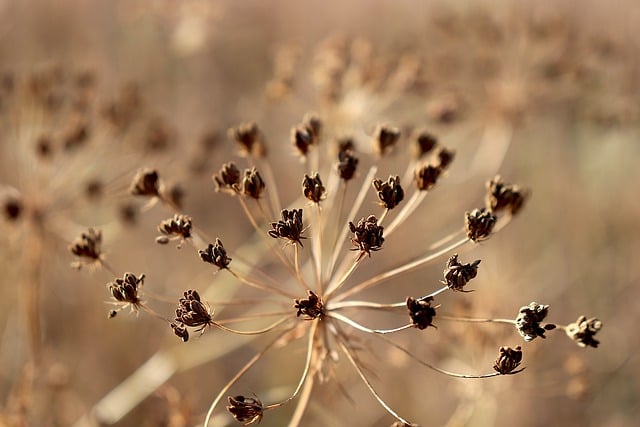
421,312
289,227
424,143
508,360
246,410
313,189
457,275
192,312
390,192
385,138
248,138
87,246
445,157
125,290
347,162
311,307
228,177
426,177
179,226
479,223
504,196
12,205
252,184
180,331
216,255
528,321
367,235
583,330
145,183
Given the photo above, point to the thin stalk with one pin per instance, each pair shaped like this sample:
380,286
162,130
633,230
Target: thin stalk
405,268
256,332
475,320
362,328
262,286
410,207
334,286
316,248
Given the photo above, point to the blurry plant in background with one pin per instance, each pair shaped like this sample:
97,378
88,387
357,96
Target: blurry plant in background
90,166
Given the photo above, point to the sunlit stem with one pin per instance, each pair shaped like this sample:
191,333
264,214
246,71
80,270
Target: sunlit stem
272,187
383,216
152,312
476,320
364,379
352,213
334,286
256,332
409,207
316,247
305,372
239,375
408,267
296,263
252,317
362,328
360,304
262,286
106,266
333,246
303,402
434,368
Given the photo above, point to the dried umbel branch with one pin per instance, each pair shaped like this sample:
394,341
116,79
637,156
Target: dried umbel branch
367,235
508,360
390,192
216,255
583,330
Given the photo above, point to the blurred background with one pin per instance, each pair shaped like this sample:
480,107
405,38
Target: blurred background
543,93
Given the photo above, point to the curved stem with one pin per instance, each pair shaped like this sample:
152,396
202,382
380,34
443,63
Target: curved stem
261,286
256,332
361,328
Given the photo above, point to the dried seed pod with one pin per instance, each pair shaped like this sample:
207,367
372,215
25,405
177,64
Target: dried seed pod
367,235
145,183
246,410
390,192
479,224
216,255
312,306
289,227
178,226
508,360
504,196
87,247
126,290
228,178
457,275
445,157
12,205
251,185
180,331
426,177
424,143
313,189
583,330
421,312
193,312
529,319
385,138
248,138
347,162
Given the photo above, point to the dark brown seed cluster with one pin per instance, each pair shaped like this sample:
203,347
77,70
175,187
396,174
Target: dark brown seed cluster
424,143
347,162
313,189
390,192
191,312
246,410
216,255
421,312
87,246
289,227
311,307
249,138
180,225
479,223
426,176
529,319
508,360
228,178
12,205
457,275
367,235
146,182
445,156
251,185
504,196
583,330
125,290
307,134
385,138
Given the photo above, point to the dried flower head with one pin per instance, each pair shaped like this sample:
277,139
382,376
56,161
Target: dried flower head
479,224
424,143
252,184
583,330
421,312
390,192
146,182
367,235
427,176
87,247
385,138
216,255
12,205
248,137
347,162
289,227
302,139
457,275
228,178
246,410
313,189
445,157
192,312
126,290
311,307
177,227
529,319
504,196
180,330
508,360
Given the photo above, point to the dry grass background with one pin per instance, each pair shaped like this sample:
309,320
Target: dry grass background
564,76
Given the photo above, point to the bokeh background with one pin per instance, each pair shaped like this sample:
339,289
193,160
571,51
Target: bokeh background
544,93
